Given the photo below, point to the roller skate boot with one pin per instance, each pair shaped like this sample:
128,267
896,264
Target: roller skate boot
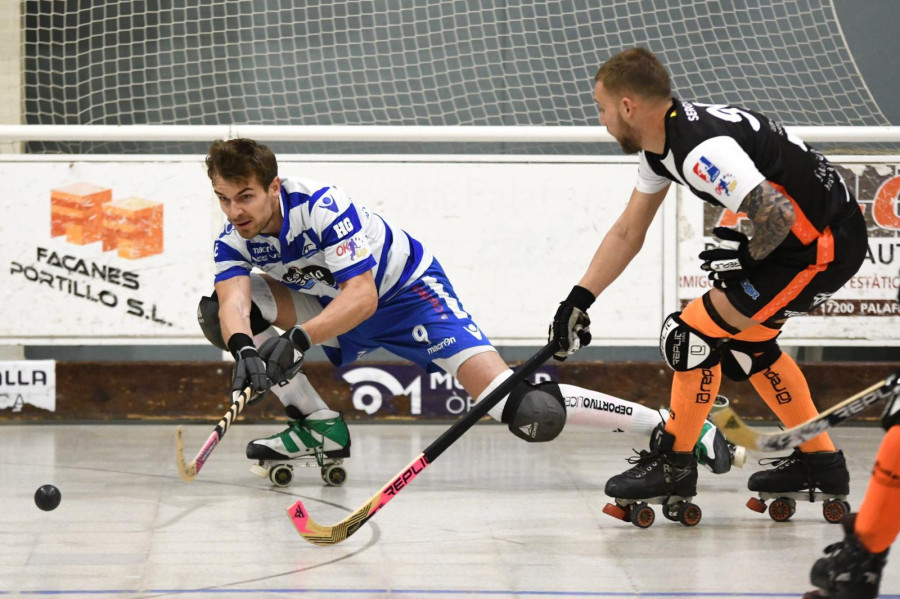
713,450
820,476
848,570
320,439
659,476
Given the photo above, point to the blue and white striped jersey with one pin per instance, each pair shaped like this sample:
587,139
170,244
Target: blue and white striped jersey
325,240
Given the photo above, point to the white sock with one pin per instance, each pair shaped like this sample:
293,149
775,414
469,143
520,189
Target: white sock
497,411
300,394
598,410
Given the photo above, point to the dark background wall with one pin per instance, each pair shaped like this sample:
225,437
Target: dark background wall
872,31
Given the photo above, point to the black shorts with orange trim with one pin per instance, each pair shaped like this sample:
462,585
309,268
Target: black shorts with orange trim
794,281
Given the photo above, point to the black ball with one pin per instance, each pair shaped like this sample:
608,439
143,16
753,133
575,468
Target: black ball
47,497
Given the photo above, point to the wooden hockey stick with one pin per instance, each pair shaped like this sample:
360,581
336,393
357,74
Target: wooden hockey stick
239,399
331,535
739,433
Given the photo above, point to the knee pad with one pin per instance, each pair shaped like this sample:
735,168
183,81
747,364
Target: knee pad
208,317
743,359
686,348
891,415
535,413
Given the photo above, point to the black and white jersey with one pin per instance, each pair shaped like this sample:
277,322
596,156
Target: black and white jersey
723,152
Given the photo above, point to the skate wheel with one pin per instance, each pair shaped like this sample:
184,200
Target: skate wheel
334,475
834,510
781,509
281,475
611,509
756,504
642,515
739,457
720,402
259,470
689,514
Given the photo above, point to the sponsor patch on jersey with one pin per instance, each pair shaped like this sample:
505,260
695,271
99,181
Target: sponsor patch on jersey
726,185
309,248
262,253
352,247
327,202
706,170
308,276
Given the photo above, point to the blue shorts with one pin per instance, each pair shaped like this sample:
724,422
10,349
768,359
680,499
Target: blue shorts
424,323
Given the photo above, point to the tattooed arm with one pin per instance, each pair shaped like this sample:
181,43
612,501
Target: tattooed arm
772,214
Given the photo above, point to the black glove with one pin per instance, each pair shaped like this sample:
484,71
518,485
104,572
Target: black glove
570,328
249,368
280,352
730,260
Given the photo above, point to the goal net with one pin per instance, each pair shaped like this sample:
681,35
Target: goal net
398,62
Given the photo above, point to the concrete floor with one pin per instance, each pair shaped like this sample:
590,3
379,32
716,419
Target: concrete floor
493,516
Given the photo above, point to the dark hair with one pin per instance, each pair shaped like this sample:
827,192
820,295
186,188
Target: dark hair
636,71
241,160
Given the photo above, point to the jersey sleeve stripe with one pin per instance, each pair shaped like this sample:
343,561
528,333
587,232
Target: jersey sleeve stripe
225,252
383,258
354,270
338,231
230,272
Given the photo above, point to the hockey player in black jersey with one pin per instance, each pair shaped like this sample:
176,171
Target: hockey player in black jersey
808,238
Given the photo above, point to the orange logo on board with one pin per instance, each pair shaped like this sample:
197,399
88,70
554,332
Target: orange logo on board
86,213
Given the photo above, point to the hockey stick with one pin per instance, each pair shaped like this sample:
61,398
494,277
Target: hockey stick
239,399
739,433
332,535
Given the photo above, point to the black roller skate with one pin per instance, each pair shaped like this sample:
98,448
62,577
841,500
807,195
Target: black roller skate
848,570
320,440
820,476
713,450
661,476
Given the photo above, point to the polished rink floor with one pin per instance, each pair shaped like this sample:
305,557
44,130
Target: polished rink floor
492,517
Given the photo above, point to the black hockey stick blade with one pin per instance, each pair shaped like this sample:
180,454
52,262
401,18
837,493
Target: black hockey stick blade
318,534
739,433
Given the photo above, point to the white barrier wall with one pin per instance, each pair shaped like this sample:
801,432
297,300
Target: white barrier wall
513,233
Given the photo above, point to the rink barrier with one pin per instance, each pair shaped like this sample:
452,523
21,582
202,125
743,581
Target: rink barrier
199,391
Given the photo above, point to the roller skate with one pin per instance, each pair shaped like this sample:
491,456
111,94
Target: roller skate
321,439
659,476
812,477
713,450
848,570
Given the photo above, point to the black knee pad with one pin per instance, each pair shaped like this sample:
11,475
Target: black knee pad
208,317
743,359
535,413
684,347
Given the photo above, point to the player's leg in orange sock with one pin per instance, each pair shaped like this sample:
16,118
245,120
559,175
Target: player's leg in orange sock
785,390
878,521
695,384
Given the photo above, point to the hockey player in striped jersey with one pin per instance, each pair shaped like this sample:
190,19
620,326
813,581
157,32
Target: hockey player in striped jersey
302,257
809,237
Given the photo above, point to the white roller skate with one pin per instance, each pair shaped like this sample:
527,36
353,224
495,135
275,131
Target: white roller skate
321,439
